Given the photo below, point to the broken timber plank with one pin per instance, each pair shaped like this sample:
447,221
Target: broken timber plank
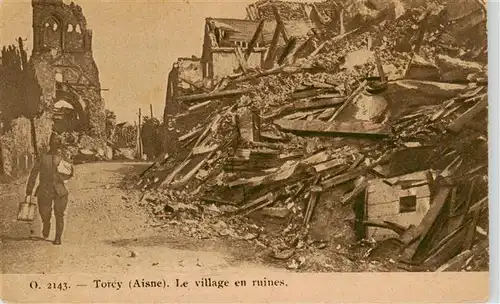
189,135
342,178
201,89
214,95
172,174
463,119
456,263
351,97
313,200
257,201
358,128
356,162
204,149
314,92
448,247
241,60
328,165
183,181
199,105
363,184
321,103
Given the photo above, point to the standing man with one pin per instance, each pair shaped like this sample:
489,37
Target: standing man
51,191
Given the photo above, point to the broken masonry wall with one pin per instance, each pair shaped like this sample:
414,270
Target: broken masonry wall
190,69
225,63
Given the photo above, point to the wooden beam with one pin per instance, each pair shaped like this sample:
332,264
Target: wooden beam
458,124
271,53
318,104
419,232
255,39
358,128
184,180
280,23
214,95
201,89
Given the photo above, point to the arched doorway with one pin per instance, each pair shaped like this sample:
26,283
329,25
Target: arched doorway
68,114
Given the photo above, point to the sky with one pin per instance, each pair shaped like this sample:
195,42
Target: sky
134,43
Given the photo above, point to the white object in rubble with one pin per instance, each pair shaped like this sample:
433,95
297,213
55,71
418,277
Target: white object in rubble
64,167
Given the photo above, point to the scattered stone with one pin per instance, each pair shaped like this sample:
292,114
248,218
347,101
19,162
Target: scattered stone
283,255
293,264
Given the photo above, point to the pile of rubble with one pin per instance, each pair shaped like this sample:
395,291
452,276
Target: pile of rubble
379,164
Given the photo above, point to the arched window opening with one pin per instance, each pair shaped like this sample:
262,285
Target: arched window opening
78,29
70,28
52,35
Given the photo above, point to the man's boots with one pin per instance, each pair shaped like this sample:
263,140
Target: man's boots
46,230
59,230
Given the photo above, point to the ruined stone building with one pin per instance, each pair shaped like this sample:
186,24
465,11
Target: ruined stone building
65,69
228,43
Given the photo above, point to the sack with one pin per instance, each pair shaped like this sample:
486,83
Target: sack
65,168
26,212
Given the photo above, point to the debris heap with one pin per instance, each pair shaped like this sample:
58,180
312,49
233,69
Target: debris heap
370,149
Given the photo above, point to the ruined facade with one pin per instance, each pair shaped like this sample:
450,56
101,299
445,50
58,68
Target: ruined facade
65,68
222,37
225,38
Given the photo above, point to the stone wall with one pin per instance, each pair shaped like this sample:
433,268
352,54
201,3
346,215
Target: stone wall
225,63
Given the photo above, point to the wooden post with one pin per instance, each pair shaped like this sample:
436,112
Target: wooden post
380,68
342,28
139,138
256,127
151,110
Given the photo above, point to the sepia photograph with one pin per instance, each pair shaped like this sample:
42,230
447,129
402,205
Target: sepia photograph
298,137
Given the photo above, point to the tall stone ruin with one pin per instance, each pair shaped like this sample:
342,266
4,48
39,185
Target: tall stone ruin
64,68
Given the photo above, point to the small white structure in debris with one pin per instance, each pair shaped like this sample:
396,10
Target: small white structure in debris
403,200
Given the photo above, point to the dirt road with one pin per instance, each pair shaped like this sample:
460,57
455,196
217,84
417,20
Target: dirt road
104,233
